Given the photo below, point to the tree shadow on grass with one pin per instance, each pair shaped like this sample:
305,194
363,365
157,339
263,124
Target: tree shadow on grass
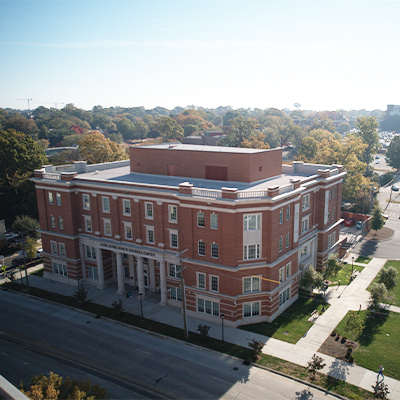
373,324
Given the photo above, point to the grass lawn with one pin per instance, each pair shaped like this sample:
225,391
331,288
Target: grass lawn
363,260
343,275
379,342
293,323
395,292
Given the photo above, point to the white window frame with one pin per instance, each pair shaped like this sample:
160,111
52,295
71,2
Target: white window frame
214,221
305,202
251,284
50,198
251,222
92,273
127,230
149,233
60,222
251,309
86,201
330,194
334,192
333,214
284,296
201,219
247,251
88,223
287,240
107,224
172,213
288,270
54,247
305,222
280,244
288,213
209,307
60,269
58,199
126,207
52,221
174,270
173,233
105,201
213,247
61,248
281,274
201,280
175,293
203,247
281,216
149,212
90,252
213,279
303,251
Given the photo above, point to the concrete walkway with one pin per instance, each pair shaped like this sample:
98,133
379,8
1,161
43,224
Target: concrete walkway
342,299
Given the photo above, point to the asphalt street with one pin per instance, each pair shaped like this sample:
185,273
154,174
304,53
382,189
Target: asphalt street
39,337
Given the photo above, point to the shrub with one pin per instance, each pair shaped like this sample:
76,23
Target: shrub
344,338
315,365
81,295
203,331
118,308
256,347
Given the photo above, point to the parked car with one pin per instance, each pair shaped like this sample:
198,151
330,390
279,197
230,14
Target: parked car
395,188
376,157
18,261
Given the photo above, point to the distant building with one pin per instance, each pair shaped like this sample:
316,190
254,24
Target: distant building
392,111
247,226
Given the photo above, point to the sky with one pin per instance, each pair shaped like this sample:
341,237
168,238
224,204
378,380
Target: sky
322,54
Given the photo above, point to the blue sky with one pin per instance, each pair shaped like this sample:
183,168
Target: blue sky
243,53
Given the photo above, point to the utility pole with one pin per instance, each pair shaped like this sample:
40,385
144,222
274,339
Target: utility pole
185,328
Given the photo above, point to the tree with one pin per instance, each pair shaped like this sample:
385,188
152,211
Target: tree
367,131
256,141
332,265
354,324
20,155
141,129
169,129
43,143
95,149
54,388
240,129
203,332
377,220
21,124
81,295
118,308
30,248
315,365
126,127
308,149
393,153
312,278
256,347
381,390
378,295
388,277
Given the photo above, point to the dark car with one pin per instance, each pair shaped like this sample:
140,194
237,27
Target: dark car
395,188
18,261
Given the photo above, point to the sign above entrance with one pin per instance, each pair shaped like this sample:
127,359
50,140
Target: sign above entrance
127,249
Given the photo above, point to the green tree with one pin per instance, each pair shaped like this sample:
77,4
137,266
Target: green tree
141,129
388,277
367,131
393,153
169,129
21,124
377,220
378,295
315,365
256,141
25,223
20,155
312,278
240,129
354,325
308,149
43,143
104,122
95,149
256,347
126,127
332,265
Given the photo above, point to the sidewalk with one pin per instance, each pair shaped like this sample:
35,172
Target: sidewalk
342,299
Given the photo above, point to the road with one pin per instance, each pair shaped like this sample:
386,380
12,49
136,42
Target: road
38,337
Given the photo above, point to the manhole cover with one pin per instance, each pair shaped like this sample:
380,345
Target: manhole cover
235,368
88,322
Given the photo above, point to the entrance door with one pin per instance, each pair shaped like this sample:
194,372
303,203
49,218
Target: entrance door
146,278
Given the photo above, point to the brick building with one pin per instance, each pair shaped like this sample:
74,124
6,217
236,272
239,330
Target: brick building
247,225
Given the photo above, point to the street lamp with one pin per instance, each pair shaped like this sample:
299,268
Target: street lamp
222,318
77,278
141,304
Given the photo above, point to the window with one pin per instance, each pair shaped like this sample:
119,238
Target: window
287,240
252,222
126,272
214,283
53,247
200,219
52,221
303,251
333,214
174,271
201,280
126,205
202,248
281,274
174,239
58,199
281,216
331,239
60,269
92,273
288,270
176,293
90,252
150,235
330,194
334,192
60,222
287,213
106,204
329,216
149,210
107,227
251,284
214,221
214,250
86,201
251,252
50,197
172,213
88,224
304,224
128,230
280,244
251,309
306,202
284,296
61,247
208,307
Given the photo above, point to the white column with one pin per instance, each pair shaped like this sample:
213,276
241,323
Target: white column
120,274
132,279
100,268
163,284
140,275
152,276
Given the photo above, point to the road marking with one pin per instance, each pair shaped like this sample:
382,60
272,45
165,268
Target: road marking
26,363
5,354
142,351
221,380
